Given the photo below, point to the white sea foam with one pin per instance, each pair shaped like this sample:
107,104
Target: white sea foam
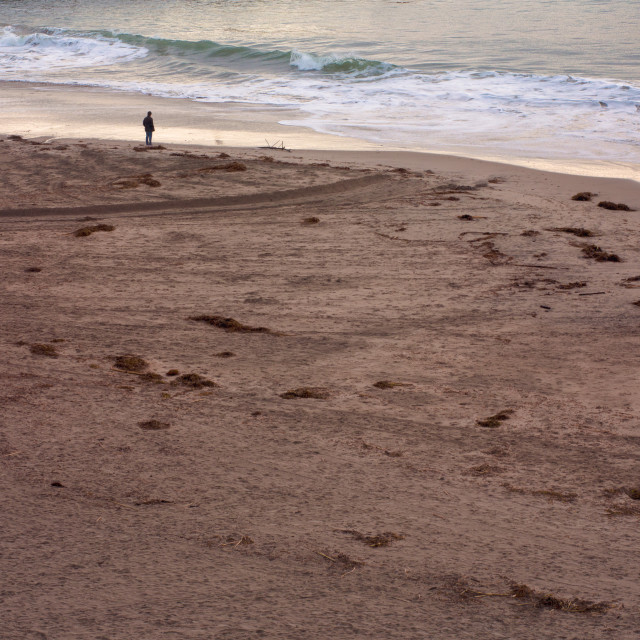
504,113
309,62
404,77
349,64
530,115
44,52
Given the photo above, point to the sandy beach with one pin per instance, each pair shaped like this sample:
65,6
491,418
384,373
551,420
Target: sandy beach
255,393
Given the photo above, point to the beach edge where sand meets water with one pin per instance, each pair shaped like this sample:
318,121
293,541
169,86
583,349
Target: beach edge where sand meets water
42,110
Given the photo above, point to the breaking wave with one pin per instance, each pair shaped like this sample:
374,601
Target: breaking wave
49,50
344,94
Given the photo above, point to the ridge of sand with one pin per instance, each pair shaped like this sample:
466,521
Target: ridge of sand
264,198
476,406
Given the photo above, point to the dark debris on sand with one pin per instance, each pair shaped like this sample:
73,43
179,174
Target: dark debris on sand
389,384
576,231
87,231
194,381
495,420
583,196
228,324
44,350
230,167
153,425
485,470
594,252
317,393
613,206
494,255
552,495
543,599
377,540
130,362
572,285
150,376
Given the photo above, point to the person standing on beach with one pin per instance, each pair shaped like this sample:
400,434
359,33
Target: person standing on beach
147,123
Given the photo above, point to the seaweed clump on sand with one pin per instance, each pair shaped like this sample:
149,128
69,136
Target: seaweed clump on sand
342,562
388,384
614,206
135,181
454,186
576,231
572,285
150,181
126,183
494,255
485,470
229,324
594,252
44,350
542,599
87,231
630,492
134,364
496,420
623,510
153,425
229,167
311,220
538,599
155,147
151,376
379,540
583,196
235,166
194,381
552,495
317,393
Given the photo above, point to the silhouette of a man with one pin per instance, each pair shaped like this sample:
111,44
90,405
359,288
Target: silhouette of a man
147,123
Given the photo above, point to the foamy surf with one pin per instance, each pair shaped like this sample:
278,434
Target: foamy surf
351,64
480,112
43,52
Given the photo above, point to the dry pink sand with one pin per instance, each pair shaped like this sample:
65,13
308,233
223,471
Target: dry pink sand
247,516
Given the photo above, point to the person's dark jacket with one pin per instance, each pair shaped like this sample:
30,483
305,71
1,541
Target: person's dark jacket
147,123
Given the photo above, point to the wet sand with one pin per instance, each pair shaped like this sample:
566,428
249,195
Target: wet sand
49,111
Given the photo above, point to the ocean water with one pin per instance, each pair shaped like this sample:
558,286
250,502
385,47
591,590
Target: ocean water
549,79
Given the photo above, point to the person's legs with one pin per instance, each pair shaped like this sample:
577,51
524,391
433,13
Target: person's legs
148,138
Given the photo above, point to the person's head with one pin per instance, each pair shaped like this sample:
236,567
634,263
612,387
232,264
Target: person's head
148,113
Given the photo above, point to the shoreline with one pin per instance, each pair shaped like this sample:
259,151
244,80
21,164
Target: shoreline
40,110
